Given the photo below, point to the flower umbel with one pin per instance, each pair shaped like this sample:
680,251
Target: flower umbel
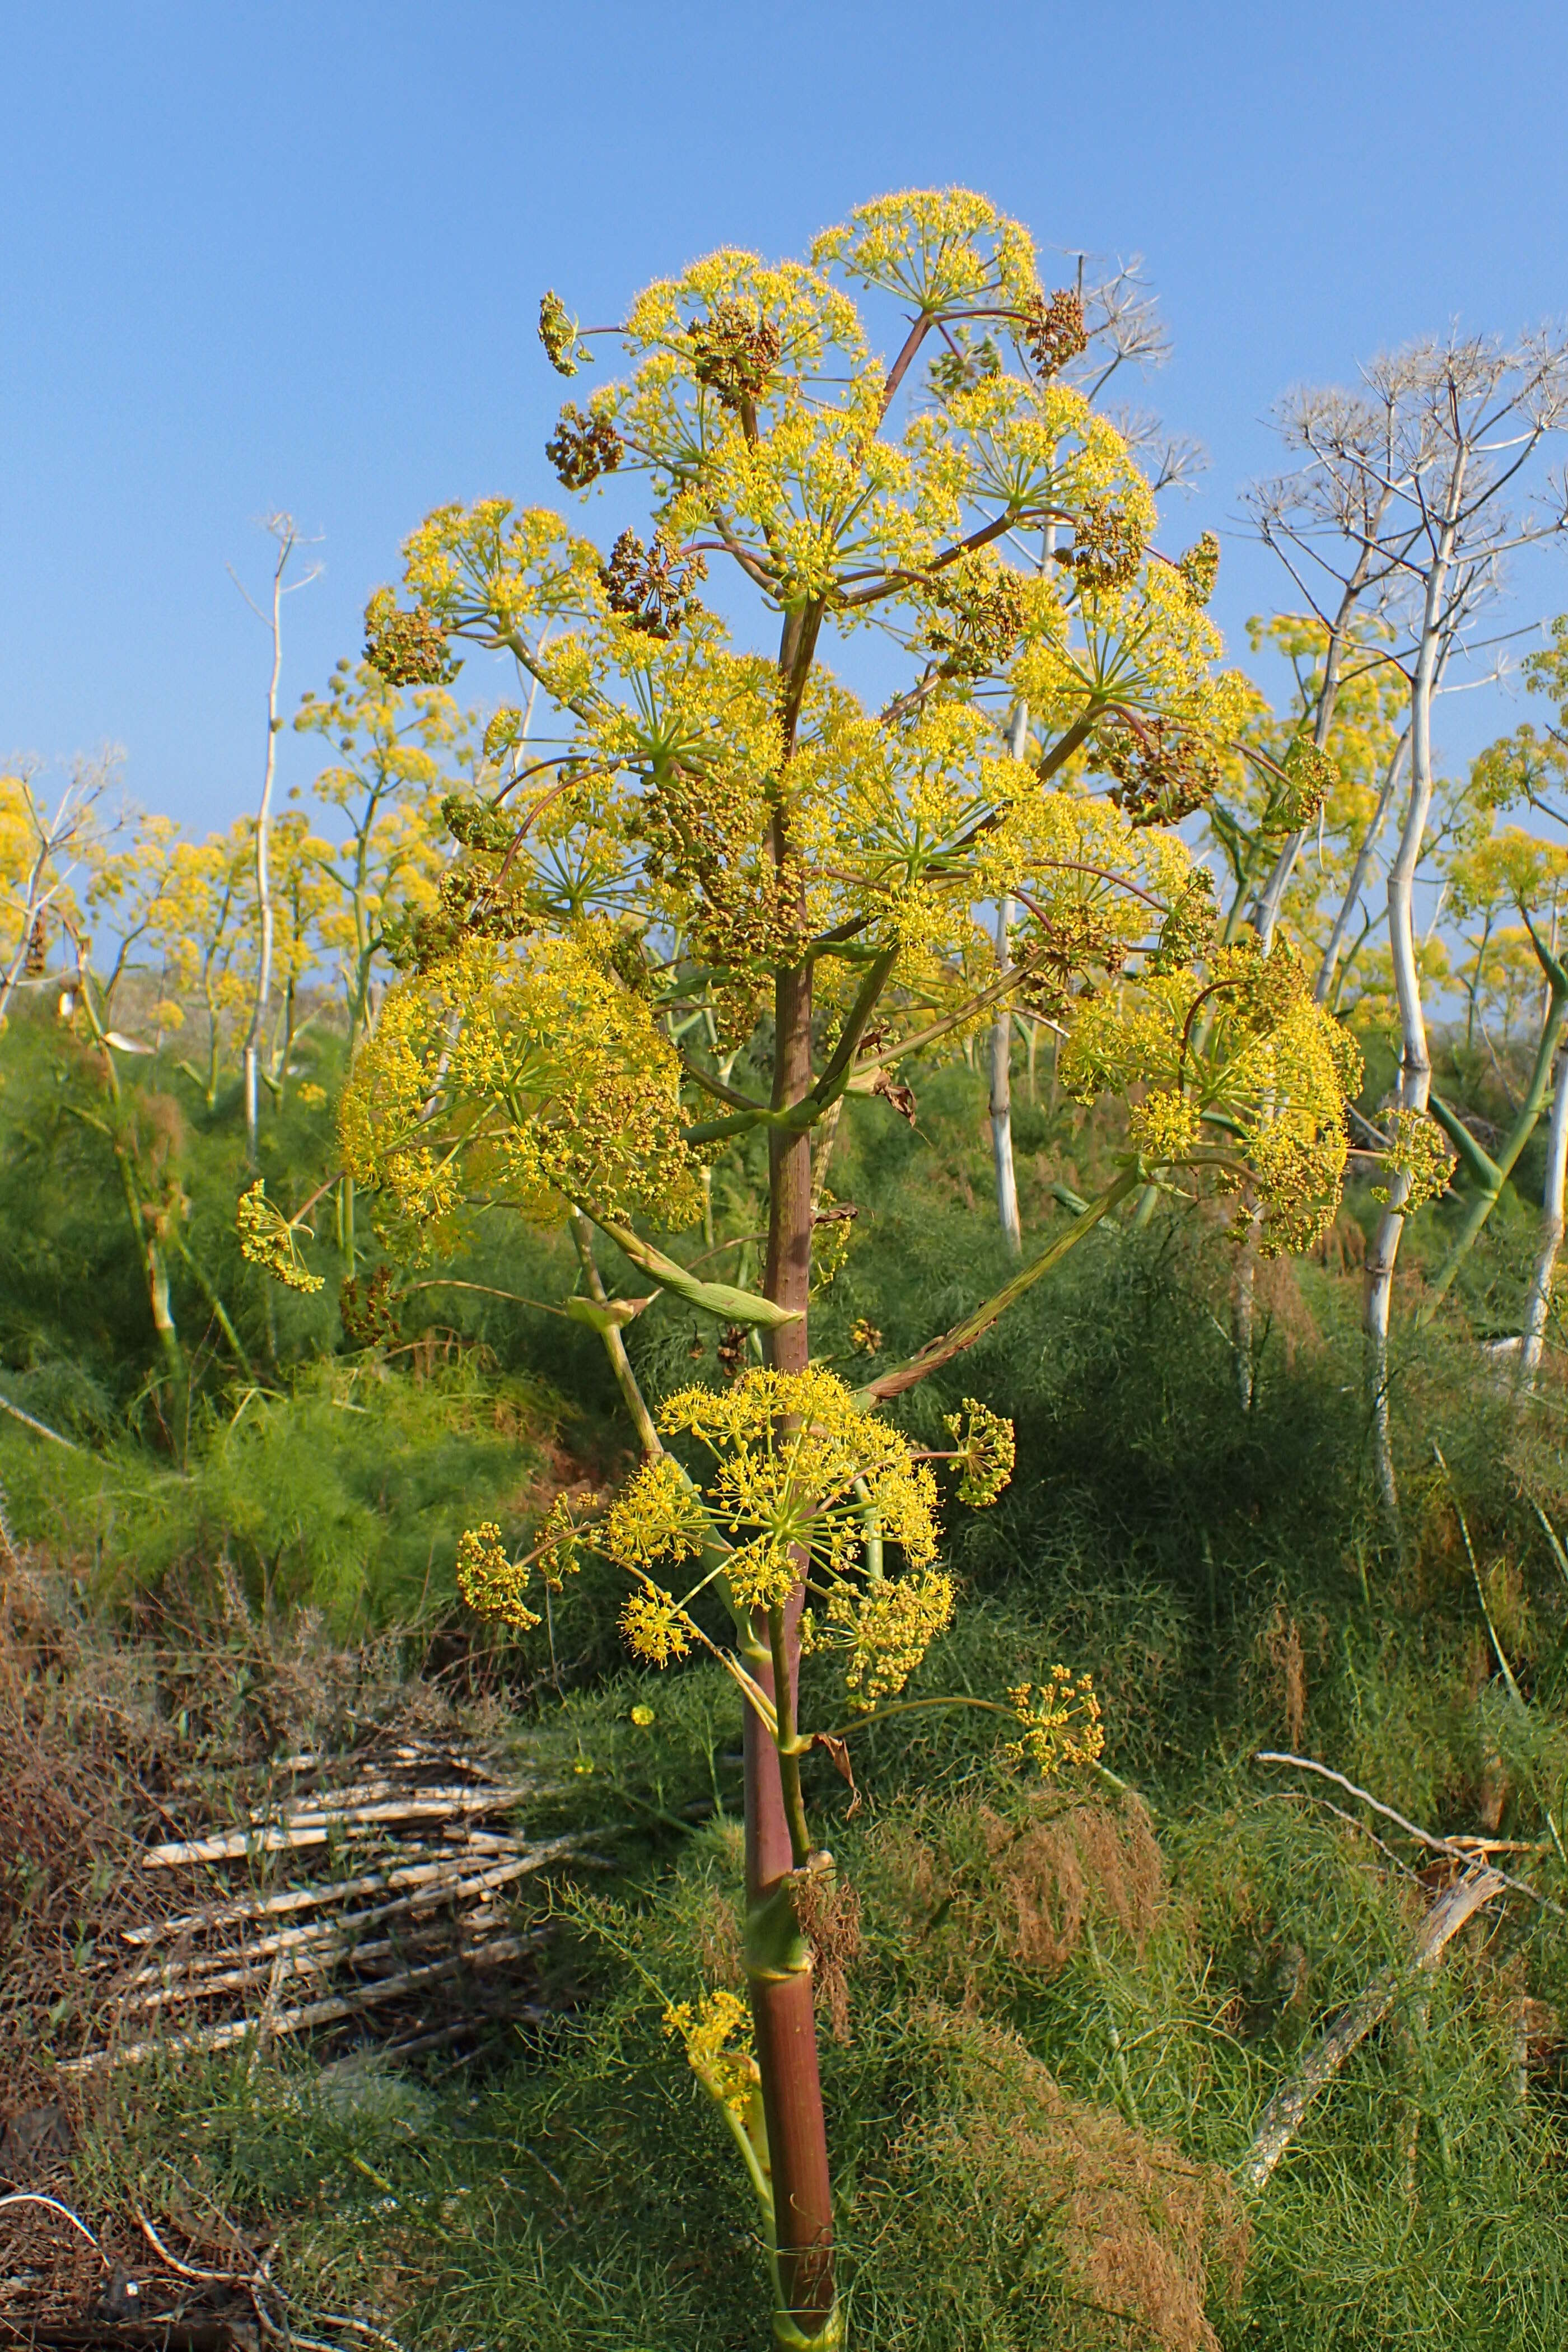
1060,1719
1422,1155
986,1449
654,1627
490,1581
718,2039
268,1240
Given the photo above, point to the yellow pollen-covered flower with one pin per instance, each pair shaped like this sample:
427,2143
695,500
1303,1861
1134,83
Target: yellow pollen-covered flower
1164,1126
267,1239
490,1581
1060,1719
886,1628
718,2039
519,1075
654,1628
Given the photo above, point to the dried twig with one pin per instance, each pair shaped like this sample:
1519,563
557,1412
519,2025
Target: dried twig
313,1828
316,2012
1461,1850
437,1874
1283,2115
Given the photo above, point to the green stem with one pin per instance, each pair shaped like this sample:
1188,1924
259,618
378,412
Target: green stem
1491,1189
974,1327
787,1741
615,1346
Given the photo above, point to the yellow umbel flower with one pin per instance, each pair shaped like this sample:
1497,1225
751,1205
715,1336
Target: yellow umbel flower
1421,1154
718,2039
1060,1720
987,1449
1243,1049
267,1239
657,1517
654,1627
490,1581
521,1076
890,1626
797,1469
1164,1126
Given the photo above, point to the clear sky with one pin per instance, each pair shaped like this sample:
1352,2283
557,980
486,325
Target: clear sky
263,254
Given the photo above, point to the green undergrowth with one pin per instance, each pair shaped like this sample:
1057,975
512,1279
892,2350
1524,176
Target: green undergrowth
1051,2017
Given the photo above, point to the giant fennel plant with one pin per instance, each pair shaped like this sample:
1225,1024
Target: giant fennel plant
708,889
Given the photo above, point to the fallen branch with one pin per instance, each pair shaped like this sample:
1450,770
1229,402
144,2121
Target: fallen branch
313,1828
435,1877
448,1886
41,1427
1460,1849
315,2012
1282,2116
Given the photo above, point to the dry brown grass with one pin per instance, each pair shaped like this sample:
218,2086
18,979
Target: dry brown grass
986,1895
1145,2236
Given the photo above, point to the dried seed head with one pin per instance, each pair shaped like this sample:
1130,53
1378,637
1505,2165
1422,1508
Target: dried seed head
1053,331
1107,547
735,353
1163,771
651,587
407,648
582,447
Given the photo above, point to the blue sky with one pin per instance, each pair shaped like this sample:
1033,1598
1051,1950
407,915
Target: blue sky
289,256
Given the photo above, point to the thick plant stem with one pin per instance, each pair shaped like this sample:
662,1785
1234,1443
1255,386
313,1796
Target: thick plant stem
284,532
1002,1095
1002,1041
1415,1060
1324,986
1494,1174
778,1959
1538,1305
1244,1311
1267,916
615,1346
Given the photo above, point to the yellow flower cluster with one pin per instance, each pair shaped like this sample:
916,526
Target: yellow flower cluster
1245,1049
718,2039
659,1515
267,1239
986,1450
935,247
654,1627
1060,1720
490,1581
561,1538
519,1077
797,1469
1164,1126
887,1627
1418,1163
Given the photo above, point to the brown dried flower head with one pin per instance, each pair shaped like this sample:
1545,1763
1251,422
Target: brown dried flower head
1163,771
1107,547
981,601
651,587
582,447
406,648
1053,331
736,353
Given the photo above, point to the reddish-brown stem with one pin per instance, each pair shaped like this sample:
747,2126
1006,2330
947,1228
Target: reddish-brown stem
779,1961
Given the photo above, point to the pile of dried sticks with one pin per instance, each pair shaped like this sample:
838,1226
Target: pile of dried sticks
410,1919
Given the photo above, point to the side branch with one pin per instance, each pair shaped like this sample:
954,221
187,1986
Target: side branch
937,1352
